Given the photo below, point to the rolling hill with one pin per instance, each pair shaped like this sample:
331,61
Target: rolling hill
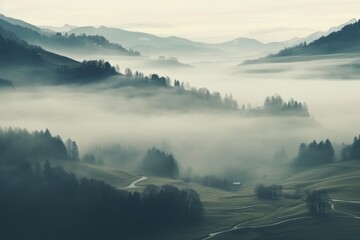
345,41
26,64
56,42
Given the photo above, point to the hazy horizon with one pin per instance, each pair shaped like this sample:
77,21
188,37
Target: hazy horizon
199,20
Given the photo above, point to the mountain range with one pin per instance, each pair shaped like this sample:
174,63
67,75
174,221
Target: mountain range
121,42
150,44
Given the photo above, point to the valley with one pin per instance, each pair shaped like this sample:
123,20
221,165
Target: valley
109,132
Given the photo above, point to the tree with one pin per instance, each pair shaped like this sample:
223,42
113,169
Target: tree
315,154
128,72
351,152
317,201
160,163
271,192
73,151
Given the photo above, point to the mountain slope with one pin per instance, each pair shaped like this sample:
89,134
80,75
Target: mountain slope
315,36
147,43
21,23
62,43
26,64
346,40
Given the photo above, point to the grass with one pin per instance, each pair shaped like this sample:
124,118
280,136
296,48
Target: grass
224,210
112,176
340,179
310,229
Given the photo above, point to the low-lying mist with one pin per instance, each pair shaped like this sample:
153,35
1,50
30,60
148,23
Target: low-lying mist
210,142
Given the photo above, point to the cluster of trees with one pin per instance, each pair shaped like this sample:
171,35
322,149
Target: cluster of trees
50,199
160,163
211,181
13,50
90,158
216,182
19,144
116,156
6,83
294,50
72,150
73,40
351,152
214,99
88,71
276,105
315,154
317,201
271,192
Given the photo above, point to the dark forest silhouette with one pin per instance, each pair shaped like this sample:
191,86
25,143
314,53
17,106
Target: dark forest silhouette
160,163
63,206
352,151
4,83
315,154
19,144
271,192
317,202
277,106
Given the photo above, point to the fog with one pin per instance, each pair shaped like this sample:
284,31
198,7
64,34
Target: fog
206,140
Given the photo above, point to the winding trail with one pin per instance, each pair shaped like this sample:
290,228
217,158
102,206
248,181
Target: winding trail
344,212
232,208
211,235
133,184
237,227
345,201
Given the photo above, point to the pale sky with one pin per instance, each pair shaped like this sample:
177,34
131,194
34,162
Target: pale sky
201,20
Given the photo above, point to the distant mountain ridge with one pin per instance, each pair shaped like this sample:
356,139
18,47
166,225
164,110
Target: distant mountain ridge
149,44
344,41
21,23
56,41
154,45
319,34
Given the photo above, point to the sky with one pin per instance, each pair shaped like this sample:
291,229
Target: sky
200,20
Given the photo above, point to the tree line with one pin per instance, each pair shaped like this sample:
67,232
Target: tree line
160,163
88,71
13,50
315,154
41,199
19,144
276,105
210,181
4,83
48,198
72,40
352,151
270,192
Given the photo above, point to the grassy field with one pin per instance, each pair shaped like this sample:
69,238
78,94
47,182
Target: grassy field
115,177
225,210
309,229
